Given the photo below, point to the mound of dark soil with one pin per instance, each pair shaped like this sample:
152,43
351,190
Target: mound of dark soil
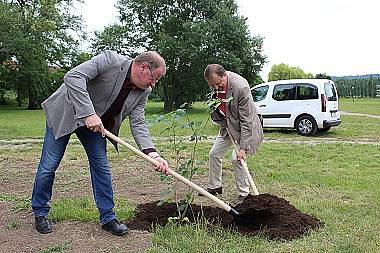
266,214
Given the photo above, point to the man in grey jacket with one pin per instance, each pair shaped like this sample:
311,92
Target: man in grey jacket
96,95
237,113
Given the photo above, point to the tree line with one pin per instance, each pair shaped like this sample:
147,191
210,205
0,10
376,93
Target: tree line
357,87
40,41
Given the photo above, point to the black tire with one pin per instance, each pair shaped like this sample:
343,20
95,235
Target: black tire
261,119
324,130
306,125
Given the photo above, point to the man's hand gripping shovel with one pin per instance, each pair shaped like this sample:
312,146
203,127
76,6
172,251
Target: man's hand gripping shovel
240,218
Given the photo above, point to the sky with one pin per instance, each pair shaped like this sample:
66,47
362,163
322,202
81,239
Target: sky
336,37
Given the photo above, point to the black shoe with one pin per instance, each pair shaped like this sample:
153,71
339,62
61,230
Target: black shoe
43,225
115,227
215,191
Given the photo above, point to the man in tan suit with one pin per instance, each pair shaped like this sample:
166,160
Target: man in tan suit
237,113
96,95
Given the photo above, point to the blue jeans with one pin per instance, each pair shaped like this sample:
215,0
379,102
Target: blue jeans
52,153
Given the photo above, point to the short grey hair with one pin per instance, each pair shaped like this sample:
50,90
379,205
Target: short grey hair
153,58
214,68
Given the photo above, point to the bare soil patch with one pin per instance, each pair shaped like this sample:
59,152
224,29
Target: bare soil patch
276,218
70,236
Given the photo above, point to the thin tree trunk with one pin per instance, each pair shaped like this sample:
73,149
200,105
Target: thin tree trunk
168,105
169,94
18,96
32,94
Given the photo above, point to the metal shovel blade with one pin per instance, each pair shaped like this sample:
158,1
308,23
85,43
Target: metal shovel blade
252,217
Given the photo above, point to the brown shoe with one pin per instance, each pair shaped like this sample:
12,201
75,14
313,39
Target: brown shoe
215,191
240,199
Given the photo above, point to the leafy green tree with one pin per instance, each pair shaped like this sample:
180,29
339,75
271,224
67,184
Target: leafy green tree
372,82
35,35
115,37
258,80
322,76
8,69
79,58
189,34
279,72
285,72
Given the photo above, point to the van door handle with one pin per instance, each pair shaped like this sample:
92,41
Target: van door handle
262,105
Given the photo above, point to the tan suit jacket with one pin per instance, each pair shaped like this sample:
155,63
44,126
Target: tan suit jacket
241,115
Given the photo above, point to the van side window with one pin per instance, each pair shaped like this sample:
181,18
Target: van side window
306,91
283,92
259,93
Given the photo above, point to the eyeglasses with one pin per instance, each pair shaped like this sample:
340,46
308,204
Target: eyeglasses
216,85
154,79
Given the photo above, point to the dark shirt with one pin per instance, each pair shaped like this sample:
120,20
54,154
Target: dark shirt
222,96
108,118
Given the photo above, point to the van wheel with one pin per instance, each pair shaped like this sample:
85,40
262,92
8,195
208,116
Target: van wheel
306,125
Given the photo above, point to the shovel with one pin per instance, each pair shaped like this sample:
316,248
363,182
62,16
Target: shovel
240,219
244,164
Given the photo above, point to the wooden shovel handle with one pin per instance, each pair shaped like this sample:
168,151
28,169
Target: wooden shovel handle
211,197
245,167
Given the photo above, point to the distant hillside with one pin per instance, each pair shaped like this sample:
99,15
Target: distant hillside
356,77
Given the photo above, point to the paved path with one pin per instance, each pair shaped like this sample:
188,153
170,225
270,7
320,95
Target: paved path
360,114
22,143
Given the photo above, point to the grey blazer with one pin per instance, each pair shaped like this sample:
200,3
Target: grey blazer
91,88
241,115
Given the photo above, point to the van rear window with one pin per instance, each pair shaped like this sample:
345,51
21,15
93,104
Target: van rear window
330,92
306,91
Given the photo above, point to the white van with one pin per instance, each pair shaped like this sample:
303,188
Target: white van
307,105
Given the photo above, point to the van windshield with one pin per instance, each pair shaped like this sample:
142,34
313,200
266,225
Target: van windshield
330,92
259,93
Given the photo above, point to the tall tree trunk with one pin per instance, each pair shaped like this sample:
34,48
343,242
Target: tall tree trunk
168,105
18,96
169,94
2,96
32,95
167,101
175,95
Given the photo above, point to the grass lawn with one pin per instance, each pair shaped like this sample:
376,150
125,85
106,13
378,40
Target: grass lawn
337,183
17,123
360,105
